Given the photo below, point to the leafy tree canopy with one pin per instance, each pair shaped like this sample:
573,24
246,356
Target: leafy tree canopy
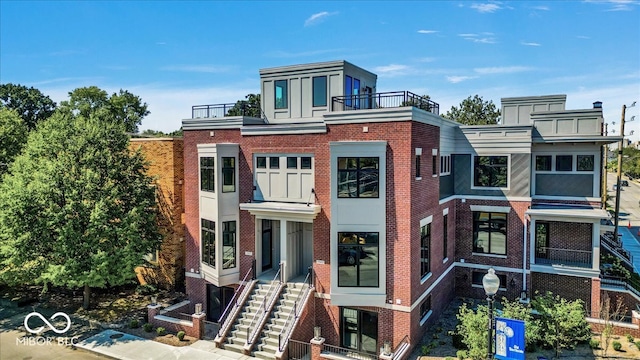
30,104
125,107
474,111
76,208
249,107
158,133
13,135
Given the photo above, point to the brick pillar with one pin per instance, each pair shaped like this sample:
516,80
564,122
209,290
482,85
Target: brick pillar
198,325
595,297
152,311
316,348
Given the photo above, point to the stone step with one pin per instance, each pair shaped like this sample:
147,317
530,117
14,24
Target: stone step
234,348
264,355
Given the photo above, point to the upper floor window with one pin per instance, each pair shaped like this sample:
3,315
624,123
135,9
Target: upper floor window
489,232
543,162
352,87
445,164
281,94
418,157
425,250
445,235
228,244
358,177
207,174
358,254
490,171
208,242
228,174
564,162
585,163
320,91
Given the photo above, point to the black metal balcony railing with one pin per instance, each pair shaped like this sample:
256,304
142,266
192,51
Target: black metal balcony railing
354,354
240,108
567,257
383,100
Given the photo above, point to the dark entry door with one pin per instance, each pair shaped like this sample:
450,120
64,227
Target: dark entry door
359,330
267,245
217,300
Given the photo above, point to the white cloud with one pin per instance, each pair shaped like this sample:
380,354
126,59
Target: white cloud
427,31
390,68
317,18
542,8
616,5
457,79
487,7
476,38
583,37
530,43
197,68
501,70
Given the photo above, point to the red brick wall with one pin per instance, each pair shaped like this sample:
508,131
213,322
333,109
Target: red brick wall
569,235
568,287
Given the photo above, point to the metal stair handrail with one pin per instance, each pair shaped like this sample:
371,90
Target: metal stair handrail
402,348
264,306
226,321
288,327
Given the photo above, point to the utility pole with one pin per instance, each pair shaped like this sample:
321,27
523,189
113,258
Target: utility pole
618,180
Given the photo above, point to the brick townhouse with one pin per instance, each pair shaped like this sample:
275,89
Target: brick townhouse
394,209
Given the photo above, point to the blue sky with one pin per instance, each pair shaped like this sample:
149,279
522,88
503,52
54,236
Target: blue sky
178,54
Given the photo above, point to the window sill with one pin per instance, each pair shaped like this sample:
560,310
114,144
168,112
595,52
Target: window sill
489,255
435,175
424,318
444,261
425,278
419,178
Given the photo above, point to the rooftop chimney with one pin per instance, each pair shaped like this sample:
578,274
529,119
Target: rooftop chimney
597,105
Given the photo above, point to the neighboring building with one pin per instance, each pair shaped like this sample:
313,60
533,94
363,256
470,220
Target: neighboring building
395,208
165,267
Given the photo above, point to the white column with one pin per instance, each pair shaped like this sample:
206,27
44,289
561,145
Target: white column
284,249
532,241
595,256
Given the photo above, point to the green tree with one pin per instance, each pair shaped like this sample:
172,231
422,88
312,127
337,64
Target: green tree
472,327
13,135
124,107
158,133
249,107
77,208
474,111
30,104
562,322
519,311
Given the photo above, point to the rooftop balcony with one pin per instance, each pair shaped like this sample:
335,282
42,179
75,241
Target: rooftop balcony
393,99
383,100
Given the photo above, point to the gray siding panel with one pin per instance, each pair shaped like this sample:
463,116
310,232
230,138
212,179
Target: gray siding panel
564,184
518,177
446,186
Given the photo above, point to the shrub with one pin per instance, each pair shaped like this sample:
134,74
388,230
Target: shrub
629,338
425,349
594,344
134,324
161,331
461,354
448,358
180,335
616,346
148,327
638,344
146,289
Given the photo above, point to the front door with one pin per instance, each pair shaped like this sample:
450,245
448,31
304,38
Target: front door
359,330
267,245
542,240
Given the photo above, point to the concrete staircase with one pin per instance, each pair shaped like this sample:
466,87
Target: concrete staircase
237,338
267,344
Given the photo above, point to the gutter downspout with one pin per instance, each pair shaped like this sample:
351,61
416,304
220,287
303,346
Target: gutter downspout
524,256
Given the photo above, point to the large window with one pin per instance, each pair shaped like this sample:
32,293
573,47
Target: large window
352,90
359,330
281,94
445,235
543,162
358,177
208,240
425,250
490,171
564,162
358,259
425,307
489,233
207,174
585,163
228,174
445,164
228,244
320,91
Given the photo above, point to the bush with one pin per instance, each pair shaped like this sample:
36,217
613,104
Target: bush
629,338
134,324
161,331
425,350
594,344
461,354
448,358
638,344
146,289
180,335
148,327
616,346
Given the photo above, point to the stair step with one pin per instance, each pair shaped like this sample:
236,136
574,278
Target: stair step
234,348
264,355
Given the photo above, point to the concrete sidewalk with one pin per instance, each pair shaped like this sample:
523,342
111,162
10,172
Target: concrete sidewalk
124,346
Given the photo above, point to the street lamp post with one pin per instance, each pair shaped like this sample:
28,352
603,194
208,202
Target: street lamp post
491,284
619,173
